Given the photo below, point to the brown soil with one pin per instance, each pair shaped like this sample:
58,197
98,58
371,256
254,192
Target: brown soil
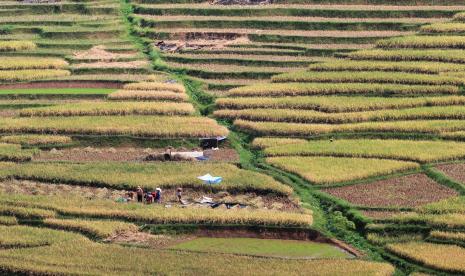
99,53
455,171
380,215
123,154
201,43
147,239
227,155
62,84
406,191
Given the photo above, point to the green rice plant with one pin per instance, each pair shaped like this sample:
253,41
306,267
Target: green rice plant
155,214
421,151
19,63
83,256
450,205
29,75
457,56
149,176
110,108
8,220
311,116
336,103
174,87
331,170
36,140
448,236
315,89
423,42
148,95
142,126
367,77
295,129
11,152
263,143
26,236
444,28
16,45
382,239
428,255
406,66
95,228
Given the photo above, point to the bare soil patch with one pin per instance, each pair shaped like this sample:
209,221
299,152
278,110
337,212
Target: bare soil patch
99,53
455,171
90,154
200,43
406,191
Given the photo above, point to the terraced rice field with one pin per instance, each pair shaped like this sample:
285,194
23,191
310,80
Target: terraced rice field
199,37
338,124
344,127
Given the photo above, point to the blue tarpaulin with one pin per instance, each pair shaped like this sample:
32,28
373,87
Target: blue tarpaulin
209,179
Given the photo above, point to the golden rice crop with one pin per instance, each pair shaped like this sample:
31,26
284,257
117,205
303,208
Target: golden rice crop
26,236
446,27
311,116
295,129
28,75
449,236
366,77
423,42
72,206
432,255
148,95
16,63
442,55
381,239
13,152
16,45
149,176
336,103
406,66
26,212
110,108
174,87
267,142
36,140
83,256
331,170
95,228
422,151
143,126
302,89
8,220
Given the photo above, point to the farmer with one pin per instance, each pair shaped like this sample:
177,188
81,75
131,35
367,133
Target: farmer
179,194
158,195
149,198
140,194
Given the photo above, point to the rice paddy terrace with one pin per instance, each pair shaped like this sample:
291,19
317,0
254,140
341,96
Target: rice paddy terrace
233,45
345,137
